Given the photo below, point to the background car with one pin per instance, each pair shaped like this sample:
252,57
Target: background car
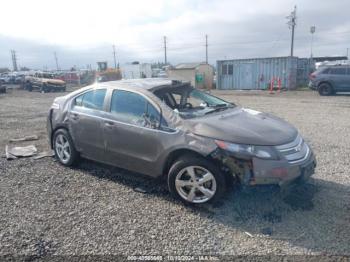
329,80
45,82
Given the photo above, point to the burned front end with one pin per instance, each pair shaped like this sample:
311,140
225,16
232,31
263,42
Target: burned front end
280,165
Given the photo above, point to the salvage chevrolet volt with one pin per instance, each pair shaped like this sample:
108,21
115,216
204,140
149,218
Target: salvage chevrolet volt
162,127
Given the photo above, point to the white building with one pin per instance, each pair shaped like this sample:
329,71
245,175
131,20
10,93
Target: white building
133,71
201,75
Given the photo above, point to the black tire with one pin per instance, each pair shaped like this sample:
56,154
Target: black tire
45,88
29,86
325,89
195,161
74,155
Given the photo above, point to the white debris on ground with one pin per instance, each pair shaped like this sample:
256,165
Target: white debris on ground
20,151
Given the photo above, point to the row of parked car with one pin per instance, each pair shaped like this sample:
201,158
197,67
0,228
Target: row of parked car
44,82
11,79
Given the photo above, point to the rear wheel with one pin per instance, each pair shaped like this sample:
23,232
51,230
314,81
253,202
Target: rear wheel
29,86
64,148
195,180
325,89
45,88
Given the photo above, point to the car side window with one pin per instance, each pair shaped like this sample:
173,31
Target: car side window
325,71
338,71
93,99
132,108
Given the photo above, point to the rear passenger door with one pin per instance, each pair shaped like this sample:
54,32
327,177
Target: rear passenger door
347,81
339,78
85,123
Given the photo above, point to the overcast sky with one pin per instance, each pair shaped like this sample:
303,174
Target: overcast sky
83,32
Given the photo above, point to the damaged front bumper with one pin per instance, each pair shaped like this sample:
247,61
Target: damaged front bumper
263,172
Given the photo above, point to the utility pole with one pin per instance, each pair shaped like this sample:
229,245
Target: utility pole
165,56
115,59
312,31
56,60
292,18
206,49
14,60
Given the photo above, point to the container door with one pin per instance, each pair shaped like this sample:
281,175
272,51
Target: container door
246,76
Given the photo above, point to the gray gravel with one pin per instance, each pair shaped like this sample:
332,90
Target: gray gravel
95,209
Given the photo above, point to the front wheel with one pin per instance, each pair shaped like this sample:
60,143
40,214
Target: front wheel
64,148
325,89
195,180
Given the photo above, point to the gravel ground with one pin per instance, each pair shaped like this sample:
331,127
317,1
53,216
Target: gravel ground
46,208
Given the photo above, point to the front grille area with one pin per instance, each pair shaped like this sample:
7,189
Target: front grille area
296,151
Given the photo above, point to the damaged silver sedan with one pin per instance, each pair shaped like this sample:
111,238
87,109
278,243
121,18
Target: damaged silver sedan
160,127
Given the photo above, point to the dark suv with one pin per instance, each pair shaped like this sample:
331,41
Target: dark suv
328,80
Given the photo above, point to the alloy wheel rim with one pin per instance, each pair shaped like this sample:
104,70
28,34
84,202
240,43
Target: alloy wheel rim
63,149
195,184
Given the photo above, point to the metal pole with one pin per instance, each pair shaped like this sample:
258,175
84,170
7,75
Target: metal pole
312,41
312,31
292,23
165,55
14,60
206,49
292,45
115,60
55,55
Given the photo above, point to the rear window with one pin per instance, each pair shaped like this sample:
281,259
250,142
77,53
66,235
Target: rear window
337,71
322,70
93,99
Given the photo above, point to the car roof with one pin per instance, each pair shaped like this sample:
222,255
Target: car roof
142,85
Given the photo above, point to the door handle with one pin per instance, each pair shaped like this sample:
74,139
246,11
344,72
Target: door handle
109,123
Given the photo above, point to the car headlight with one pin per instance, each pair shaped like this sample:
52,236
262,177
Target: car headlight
245,151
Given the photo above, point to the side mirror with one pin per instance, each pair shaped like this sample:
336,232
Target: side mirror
151,122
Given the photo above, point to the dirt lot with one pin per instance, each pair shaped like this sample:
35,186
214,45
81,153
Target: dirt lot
93,209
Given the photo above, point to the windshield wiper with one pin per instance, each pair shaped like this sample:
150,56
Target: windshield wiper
221,105
217,109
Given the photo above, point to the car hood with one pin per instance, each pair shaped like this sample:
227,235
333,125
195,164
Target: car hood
244,126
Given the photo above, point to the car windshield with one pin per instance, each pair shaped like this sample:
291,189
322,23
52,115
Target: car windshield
190,103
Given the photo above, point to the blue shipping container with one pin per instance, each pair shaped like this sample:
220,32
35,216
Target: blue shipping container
256,73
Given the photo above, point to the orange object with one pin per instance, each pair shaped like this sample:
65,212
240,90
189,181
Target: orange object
272,85
278,81
279,85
